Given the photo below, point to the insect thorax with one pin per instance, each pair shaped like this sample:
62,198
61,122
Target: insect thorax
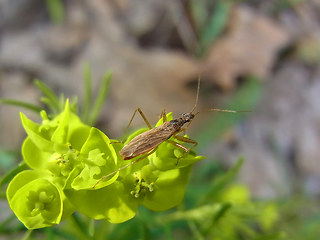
186,117
176,124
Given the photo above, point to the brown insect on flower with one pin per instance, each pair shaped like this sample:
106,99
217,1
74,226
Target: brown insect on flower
147,142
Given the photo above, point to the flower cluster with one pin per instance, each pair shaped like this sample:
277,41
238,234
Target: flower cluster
67,158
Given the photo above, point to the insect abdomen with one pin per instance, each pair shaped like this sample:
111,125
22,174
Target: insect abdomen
147,141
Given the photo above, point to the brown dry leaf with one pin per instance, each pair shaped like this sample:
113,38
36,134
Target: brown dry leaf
249,47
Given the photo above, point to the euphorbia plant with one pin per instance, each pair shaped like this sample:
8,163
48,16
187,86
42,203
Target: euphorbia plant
67,157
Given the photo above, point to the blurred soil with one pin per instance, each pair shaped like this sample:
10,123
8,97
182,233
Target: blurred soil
150,46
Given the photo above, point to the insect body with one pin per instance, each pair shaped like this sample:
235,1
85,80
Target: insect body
146,143
152,138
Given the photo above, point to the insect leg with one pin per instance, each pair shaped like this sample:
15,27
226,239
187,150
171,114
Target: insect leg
187,140
163,115
178,145
119,169
127,128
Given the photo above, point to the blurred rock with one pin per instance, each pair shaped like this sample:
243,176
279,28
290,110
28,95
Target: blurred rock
11,12
139,16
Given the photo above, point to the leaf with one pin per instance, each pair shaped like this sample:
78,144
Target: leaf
219,183
87,93
56,11
100,98
215,24
51,98
17,103
199,214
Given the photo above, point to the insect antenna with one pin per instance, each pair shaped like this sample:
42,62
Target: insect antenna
224,110
211,109
197,97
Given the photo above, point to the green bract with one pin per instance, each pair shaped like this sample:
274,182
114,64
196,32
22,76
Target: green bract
68,158
36,200
98,157
52,150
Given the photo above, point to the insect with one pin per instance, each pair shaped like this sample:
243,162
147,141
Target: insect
146,143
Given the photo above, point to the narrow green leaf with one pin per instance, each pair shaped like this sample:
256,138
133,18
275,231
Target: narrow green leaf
53,109
74,105
199,13
214,220
62,101
87,93
215,24
100,98
56,11
226,178
199,214
52,98
222,211
222,181
17,103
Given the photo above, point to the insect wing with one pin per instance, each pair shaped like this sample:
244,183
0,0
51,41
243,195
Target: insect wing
144,142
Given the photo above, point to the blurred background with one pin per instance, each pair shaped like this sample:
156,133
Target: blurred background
261,56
